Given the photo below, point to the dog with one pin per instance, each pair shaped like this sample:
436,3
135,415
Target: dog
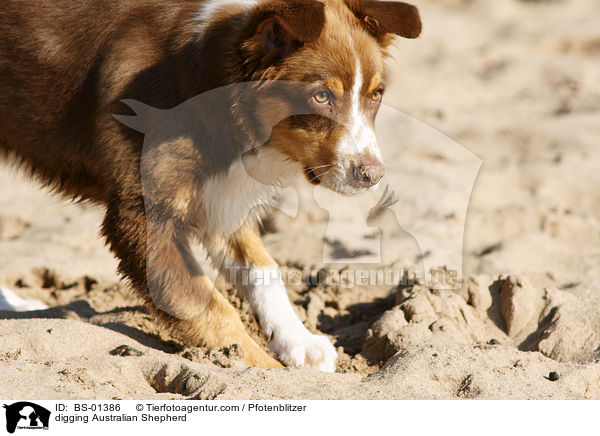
71,72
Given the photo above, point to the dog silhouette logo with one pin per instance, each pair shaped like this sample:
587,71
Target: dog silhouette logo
26,415
423,197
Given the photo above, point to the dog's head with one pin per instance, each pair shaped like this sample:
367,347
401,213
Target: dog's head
333,52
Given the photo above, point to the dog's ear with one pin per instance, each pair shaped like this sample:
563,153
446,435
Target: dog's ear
385,18
280,26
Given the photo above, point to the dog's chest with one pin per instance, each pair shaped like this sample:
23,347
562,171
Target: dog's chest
231,198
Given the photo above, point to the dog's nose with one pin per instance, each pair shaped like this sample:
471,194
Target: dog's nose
369,174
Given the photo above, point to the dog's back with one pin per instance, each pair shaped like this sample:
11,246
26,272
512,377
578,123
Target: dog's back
63,67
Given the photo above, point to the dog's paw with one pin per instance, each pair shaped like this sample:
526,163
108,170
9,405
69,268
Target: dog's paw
9,301
299,347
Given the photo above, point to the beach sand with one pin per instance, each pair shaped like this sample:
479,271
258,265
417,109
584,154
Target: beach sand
495,107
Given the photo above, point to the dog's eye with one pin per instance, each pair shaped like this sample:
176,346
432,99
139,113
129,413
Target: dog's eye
321,97
377,94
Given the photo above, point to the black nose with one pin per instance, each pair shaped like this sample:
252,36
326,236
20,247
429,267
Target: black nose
368,175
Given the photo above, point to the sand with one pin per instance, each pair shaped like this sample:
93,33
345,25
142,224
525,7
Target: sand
497,107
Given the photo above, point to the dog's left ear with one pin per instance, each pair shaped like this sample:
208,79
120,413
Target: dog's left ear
279,26
382,19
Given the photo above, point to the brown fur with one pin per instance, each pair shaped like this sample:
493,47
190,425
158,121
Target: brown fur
329,60
64,68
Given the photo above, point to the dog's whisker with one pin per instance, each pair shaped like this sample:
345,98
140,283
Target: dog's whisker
318,166
319,175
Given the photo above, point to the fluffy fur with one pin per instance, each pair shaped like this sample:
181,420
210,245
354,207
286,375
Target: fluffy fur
66,67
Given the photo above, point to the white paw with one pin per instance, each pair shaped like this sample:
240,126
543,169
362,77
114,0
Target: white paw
298,347
288,338
10,301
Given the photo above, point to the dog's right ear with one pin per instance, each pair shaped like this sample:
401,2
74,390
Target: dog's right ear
279,26
385,18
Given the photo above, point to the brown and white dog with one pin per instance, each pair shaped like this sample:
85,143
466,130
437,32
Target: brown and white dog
66,67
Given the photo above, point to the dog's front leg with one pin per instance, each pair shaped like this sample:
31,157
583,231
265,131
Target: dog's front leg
155,256
244,260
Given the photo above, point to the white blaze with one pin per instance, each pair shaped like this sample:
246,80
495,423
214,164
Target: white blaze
360,137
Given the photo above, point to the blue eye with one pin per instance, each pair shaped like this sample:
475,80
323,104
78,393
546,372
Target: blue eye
321,97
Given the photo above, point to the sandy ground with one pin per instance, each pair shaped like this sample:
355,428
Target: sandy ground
498,98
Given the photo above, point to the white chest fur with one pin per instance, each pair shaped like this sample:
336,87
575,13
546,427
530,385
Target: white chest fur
231,198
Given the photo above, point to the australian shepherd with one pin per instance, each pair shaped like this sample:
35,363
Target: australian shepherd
298,84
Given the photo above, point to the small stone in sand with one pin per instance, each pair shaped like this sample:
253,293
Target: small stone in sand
126,350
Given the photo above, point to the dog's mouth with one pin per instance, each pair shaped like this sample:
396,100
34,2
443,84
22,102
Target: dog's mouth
311,176
347,177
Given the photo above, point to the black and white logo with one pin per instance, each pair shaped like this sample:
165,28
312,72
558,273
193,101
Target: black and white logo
26,415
